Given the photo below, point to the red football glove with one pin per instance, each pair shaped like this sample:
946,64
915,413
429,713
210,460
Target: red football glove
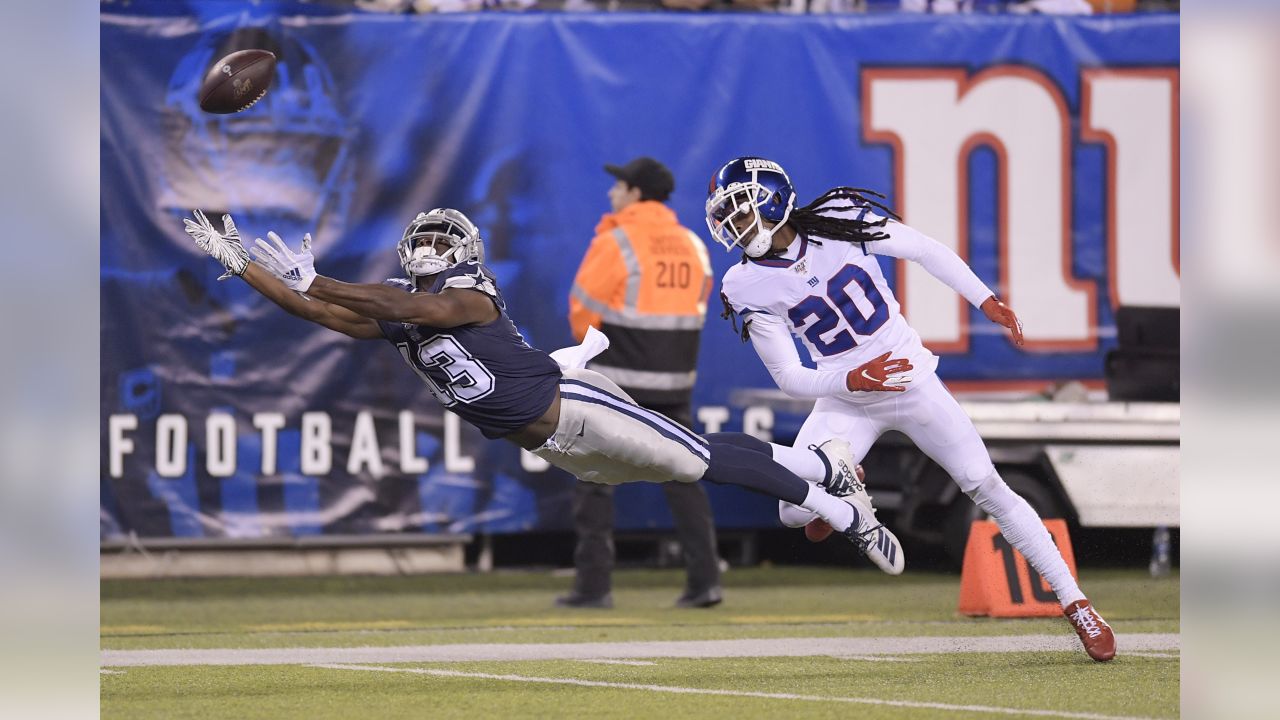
1001,314
881,374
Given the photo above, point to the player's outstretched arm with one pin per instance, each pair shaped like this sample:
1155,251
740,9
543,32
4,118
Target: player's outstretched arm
451,308
225,247
937,259
334,317
911,244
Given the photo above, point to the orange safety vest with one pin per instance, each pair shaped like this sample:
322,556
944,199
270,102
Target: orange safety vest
644,283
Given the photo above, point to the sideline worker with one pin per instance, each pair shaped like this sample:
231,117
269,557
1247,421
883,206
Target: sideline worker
644,283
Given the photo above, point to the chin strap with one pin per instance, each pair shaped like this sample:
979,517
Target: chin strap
443,260
762,235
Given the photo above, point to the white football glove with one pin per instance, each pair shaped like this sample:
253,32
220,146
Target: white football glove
222,246
297,270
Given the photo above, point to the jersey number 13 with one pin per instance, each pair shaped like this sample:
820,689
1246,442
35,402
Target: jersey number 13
466,379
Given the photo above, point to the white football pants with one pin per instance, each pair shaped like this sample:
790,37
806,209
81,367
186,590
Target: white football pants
604,437
928,414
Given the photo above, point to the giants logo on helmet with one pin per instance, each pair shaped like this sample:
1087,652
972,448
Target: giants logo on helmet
761,164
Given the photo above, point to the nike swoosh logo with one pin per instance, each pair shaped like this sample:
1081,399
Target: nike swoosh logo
865,375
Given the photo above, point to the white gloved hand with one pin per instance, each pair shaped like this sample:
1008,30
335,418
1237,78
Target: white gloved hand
222,246
297,270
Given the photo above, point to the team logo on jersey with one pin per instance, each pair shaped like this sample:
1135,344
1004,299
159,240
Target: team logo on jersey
813,281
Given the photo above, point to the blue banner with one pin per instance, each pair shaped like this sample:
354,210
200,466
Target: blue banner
1014,139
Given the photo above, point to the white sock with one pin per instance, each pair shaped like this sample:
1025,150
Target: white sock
803,462
1024,530
837,513
794,516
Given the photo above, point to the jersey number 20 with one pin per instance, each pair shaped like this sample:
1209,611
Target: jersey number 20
838,305
468,379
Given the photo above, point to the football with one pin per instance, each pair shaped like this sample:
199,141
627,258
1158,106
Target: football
817,530
237,81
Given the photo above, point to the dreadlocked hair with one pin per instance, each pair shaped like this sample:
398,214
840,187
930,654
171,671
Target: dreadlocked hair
813,220
732,317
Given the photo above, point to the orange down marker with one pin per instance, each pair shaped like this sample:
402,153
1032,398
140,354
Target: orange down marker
997,581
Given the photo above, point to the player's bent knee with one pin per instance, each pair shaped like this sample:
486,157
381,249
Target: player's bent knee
992,494
689,470
970,477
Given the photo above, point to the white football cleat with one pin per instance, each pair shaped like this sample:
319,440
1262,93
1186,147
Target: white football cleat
844,477
873,539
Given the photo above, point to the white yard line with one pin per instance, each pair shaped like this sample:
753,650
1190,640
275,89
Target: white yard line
771,647
876,658
620,662
987,709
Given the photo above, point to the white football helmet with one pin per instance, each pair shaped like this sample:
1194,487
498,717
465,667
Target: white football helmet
436,241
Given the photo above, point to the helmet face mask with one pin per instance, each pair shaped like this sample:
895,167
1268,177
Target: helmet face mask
734,220
438,240
748,200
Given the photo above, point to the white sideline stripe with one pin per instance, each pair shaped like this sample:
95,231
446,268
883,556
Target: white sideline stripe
876,658
772,647
621,662
733,693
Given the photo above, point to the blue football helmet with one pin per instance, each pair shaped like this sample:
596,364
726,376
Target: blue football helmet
436,241
743,194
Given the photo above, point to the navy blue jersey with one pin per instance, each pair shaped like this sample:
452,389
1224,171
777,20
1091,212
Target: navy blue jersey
487,374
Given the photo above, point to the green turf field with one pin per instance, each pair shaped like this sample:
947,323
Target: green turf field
545,662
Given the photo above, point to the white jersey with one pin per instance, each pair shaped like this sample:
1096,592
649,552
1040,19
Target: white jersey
832,295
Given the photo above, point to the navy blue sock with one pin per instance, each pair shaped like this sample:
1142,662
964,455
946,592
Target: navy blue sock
733,463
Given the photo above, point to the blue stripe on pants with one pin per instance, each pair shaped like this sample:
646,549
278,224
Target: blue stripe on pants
694,441
638,413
